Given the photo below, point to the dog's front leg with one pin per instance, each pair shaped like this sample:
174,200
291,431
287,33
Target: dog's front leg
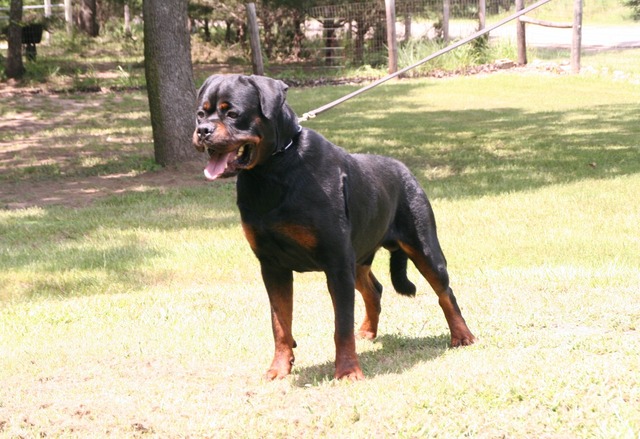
279,284
341,285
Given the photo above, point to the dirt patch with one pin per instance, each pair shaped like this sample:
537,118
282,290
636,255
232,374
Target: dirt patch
27,143
80,192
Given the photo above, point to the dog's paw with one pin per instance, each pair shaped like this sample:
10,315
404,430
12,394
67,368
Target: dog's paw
349,370
273,374
364,334
351,375
463,340
280,367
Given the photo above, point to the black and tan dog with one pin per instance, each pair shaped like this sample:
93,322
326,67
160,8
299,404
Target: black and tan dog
307,205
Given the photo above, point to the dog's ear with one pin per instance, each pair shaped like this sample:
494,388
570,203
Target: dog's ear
273,93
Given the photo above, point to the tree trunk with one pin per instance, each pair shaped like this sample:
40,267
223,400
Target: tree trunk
14,67
87,20
170,87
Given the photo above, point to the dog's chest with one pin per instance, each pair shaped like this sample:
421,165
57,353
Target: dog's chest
277,231
283,243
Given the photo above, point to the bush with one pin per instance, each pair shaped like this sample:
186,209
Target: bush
635,6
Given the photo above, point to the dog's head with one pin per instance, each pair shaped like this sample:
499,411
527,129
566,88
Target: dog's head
241,121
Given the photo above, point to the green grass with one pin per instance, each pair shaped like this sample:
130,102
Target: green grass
607,63
66,136
144,314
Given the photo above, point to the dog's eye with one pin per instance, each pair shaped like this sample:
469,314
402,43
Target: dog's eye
232,114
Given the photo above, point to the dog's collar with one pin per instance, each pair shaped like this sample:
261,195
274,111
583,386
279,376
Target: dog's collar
278,151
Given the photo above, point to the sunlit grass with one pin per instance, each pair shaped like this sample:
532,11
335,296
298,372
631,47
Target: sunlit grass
145,314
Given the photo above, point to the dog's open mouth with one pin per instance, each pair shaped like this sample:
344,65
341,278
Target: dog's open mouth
228,164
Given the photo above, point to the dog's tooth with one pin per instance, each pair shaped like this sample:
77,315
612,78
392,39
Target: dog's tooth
240,151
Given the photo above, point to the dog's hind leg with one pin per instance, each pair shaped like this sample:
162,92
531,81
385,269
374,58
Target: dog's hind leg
279,284
371,291
433,266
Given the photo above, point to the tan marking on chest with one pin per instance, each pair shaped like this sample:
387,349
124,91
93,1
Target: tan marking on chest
250,234
302,235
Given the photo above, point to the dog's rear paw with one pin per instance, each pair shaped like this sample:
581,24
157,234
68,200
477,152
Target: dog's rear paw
463,340
365,335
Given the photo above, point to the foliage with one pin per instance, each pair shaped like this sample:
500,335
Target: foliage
635,6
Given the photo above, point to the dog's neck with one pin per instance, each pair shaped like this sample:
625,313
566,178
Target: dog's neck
288,145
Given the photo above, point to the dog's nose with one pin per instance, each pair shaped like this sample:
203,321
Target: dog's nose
204,130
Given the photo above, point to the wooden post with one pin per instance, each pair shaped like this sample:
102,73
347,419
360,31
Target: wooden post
446,8
576,44
482,13
254,40
127,20
68,16
391,35
47,14
521,36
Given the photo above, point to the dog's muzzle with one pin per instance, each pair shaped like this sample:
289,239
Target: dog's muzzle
204,131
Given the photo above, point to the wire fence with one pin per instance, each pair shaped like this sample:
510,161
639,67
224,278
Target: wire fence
355,33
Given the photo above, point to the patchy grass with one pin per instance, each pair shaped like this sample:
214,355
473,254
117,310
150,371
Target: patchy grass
66,136
144,314
617,63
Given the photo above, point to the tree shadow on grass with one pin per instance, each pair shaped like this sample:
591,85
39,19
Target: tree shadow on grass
395,354
473,153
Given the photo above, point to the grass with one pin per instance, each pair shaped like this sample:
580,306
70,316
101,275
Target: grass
144,314
623,61
86,136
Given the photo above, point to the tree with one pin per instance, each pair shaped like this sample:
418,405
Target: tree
14,67
170,87
88,18
635,7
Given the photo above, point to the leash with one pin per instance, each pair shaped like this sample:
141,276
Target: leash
311,114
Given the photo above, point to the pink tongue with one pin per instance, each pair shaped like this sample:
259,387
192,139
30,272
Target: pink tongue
216,166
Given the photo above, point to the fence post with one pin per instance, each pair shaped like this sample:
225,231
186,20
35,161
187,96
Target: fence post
391,35
521,36
576,44
47,14
68,16
446,8
254,40
482,13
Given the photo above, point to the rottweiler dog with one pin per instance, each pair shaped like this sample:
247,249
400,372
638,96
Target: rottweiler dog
308,205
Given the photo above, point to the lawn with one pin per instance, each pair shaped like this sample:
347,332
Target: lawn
143,314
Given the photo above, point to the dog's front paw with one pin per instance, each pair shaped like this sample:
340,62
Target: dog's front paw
351,375
349,370
280,367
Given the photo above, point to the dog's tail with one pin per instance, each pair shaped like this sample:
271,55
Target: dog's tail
398,265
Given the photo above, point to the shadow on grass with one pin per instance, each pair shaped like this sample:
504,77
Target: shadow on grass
455,154
461,154
395,354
